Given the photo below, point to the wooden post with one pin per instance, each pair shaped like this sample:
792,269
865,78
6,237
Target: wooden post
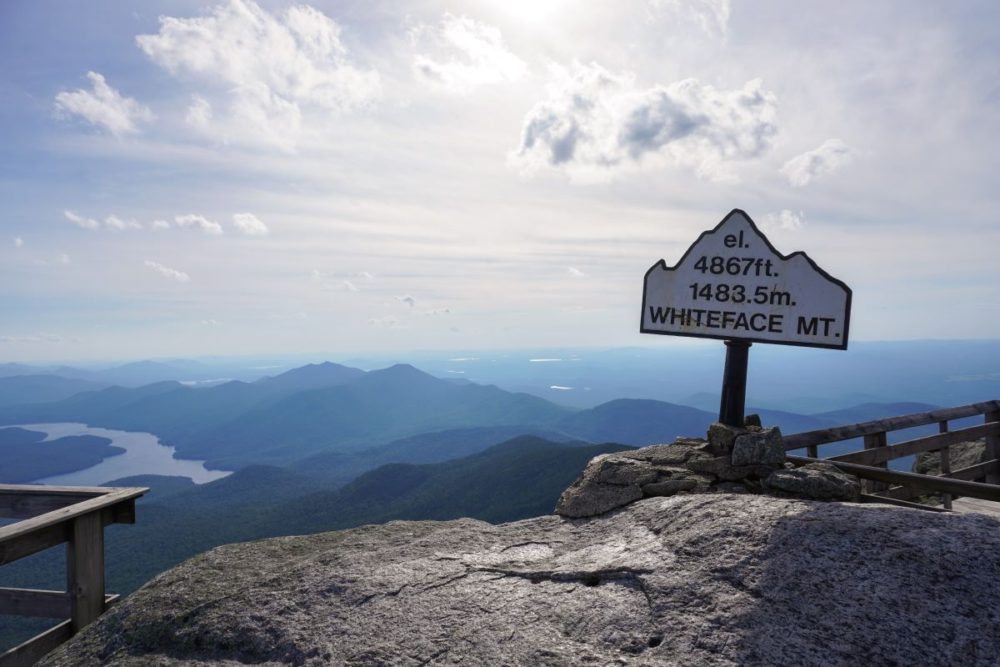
992,446
85,570
945,465
871,442
734,383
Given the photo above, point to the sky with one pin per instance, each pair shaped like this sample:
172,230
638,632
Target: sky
204,178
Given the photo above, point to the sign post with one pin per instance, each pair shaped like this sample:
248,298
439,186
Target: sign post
732,284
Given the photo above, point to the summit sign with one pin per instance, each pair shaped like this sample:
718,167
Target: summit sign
734,285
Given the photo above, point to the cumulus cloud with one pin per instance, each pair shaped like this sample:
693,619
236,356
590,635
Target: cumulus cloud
271,66
80,221
829,158
468,54
249,224
199,114
104,107
18,242
711,16
407,299
199,222
167,272
594,123
116,223
783,220
364,275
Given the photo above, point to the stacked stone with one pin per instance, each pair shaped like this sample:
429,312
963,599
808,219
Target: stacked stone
732,459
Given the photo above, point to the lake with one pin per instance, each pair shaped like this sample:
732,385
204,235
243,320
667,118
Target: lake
144,455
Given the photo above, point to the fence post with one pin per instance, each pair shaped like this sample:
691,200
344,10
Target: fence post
871,442
945,465
85,569
992,446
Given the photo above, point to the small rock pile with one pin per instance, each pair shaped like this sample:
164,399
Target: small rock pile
748,459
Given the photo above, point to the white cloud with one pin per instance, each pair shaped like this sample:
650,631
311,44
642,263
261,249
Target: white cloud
80,221
388,321
32,338
407,299
18,242
199,114
103,106
159,224
271,66
437,311
575,272
193,221
364,275
470,54
210,323
829,158
595,123
783,220
711,16
63,258
167,272
249,224
341,286
116,223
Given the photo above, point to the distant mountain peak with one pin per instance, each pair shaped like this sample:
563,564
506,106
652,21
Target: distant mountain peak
401,372
322,374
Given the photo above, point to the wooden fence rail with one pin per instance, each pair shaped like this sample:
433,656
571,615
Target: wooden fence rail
889,485
49,516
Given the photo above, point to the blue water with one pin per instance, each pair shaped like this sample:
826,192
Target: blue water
144,455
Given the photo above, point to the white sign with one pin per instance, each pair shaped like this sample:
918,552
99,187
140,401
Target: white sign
733,284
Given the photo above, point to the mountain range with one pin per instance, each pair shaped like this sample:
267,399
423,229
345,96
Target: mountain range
327,446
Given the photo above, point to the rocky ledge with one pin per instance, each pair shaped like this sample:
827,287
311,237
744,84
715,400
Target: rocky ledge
710,579
693,553
740,460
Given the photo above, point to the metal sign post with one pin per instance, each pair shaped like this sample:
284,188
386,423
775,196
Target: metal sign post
734,383
732,284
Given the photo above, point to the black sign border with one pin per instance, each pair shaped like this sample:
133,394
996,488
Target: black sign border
827,276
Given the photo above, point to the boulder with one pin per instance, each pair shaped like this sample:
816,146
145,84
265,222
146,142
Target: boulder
960,455
818,481
613,480
721,438
762,447
712,579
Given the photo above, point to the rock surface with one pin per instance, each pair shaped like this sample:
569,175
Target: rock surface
709,579
821,481
748,455
960,455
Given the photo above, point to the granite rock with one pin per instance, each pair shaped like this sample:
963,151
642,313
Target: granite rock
759,448
817,481
710,579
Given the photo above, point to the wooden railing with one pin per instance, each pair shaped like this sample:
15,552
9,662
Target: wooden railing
976,481
53,515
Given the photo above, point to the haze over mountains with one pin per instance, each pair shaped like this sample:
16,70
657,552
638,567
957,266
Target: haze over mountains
323,446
